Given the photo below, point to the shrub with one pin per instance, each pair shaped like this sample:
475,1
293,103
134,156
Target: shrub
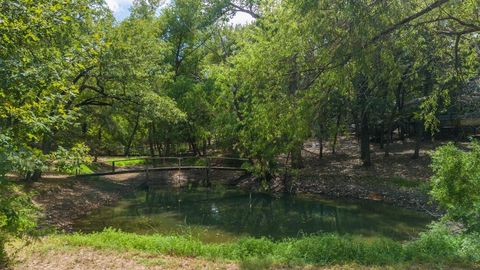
439,245
69,160
17,215
435,244
334,249
456,184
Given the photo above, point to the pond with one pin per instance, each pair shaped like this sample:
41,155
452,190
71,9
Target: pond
221,214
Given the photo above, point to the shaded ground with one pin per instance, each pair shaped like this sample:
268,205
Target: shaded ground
347,162
397,179
64,199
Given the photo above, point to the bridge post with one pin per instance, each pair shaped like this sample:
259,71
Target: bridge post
113,166
77,167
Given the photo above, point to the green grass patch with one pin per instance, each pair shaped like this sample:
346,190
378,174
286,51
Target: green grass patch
86,169
82,169
401,182
436,247
132,162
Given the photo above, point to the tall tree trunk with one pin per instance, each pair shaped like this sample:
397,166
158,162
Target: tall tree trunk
296,154
132,135
381,135
193,144
400,101
335,136
363,93
151,141
357,125
37,172
205,143
158,147
320,144
297,160
156,141
96,151
388,140
168,148
419,127
365,141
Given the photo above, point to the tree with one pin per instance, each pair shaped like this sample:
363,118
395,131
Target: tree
43,47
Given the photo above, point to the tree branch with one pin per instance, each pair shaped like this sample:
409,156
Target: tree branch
244,10
410,18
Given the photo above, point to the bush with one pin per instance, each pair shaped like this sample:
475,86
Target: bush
70,160
17,215
441,246
456,184
335,249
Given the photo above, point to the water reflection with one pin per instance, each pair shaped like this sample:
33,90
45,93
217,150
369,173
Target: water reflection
223,213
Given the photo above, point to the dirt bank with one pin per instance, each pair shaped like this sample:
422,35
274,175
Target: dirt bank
64,199
397,180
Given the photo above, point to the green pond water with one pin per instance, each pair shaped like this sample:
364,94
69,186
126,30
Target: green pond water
220,214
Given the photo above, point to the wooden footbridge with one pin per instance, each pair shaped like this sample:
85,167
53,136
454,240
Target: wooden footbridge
147,165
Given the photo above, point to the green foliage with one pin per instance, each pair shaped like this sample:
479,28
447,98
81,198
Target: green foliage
73,159
17,215
439,244
156,82
456,183
434,247
16,211
43,46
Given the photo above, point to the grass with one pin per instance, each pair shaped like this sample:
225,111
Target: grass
82,169
436,247
132,162
400,182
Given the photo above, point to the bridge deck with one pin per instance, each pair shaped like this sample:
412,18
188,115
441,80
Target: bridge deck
163,169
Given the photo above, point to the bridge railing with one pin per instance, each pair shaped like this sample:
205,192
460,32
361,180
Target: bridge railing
167,162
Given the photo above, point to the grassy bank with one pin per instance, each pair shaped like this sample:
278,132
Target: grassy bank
436,247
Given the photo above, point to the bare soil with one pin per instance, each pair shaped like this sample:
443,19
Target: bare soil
397,179
92,259
64,199
346,160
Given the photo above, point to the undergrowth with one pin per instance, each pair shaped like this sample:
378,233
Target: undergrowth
436,246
